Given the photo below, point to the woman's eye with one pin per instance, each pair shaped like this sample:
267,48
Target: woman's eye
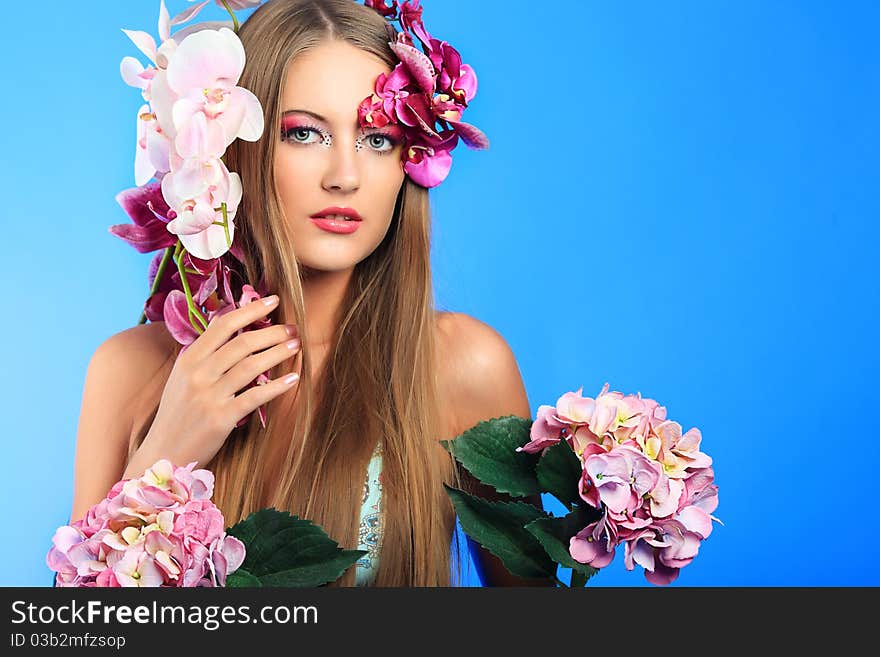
299,135
382,143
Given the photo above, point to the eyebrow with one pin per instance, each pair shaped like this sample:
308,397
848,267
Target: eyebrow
302,111
315,115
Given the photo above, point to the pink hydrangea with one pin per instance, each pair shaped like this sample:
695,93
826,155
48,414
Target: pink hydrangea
653,485
160,529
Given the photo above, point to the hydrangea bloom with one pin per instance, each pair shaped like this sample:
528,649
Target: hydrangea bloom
157,530
653,485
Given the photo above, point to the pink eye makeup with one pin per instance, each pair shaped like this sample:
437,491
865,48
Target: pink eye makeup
295,130
298,130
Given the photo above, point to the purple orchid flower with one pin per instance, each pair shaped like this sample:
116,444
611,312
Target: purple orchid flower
379,5
428,161
150,213
407,96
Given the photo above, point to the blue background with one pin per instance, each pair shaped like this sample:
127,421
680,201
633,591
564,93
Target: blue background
679,199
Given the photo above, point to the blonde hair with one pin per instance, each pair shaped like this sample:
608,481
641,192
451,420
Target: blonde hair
379,380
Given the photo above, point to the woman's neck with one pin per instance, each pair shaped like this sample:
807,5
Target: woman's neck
323,292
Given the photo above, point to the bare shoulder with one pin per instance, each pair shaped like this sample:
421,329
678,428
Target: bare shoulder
479,371
135,358
482,381
140,345
126,369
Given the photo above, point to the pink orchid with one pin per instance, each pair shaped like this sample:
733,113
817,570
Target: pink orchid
175,313
446,109
202,77
428,161
407,96
136,75
195,192
389,12
417,66
145,42
388,99
234,5
153,147
454,78
148,210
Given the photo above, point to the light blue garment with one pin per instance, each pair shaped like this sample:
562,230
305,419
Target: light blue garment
370,530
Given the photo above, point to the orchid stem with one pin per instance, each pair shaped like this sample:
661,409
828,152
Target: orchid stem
231,13
200,324
156,281
226,224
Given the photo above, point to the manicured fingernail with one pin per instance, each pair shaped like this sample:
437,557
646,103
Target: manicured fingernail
293,344
271,301
291,378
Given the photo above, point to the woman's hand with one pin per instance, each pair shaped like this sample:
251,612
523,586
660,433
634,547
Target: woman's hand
200,405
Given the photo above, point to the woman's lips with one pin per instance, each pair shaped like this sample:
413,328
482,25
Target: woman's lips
339,226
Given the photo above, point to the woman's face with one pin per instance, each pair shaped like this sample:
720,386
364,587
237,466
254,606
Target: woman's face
325,160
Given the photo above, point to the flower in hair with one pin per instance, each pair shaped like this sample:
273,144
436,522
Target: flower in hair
195,110
186,199
426,93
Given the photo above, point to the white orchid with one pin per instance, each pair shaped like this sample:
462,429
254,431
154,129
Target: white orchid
196,110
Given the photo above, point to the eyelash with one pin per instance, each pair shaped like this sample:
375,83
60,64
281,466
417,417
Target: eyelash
285,136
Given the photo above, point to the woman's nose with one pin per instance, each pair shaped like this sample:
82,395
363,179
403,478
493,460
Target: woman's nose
343,172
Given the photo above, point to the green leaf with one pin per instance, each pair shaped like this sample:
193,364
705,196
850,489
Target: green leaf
242,579
554,535
559,470
499,527
284,550
488,451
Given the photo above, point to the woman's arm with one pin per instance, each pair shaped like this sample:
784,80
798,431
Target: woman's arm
487,384
116,380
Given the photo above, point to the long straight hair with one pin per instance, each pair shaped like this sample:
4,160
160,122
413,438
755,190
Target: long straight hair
379,383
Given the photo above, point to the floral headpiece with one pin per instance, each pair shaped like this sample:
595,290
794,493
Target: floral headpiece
426,88
185,201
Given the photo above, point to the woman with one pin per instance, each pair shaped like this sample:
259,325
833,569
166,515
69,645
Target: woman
383,376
